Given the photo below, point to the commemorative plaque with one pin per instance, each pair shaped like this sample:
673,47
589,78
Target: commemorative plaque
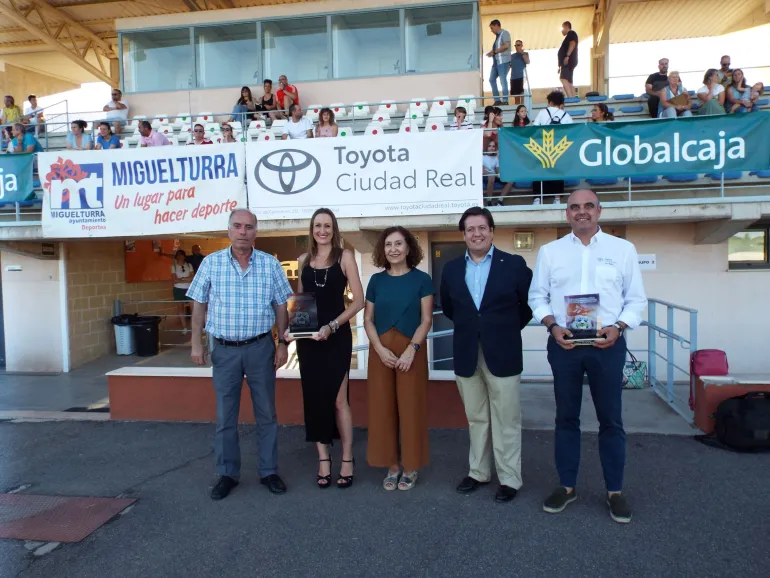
303,316
583,319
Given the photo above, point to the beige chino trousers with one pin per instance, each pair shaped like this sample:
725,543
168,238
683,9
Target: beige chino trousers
493,408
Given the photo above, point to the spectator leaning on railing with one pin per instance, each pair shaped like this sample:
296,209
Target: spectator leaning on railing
117,111
151,138
34,115
298,126
23,141
78,139
655,83
106,139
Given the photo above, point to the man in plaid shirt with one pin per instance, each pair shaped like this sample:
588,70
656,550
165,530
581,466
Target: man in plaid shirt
241,293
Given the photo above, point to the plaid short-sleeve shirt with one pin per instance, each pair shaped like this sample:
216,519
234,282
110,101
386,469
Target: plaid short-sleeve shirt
240,301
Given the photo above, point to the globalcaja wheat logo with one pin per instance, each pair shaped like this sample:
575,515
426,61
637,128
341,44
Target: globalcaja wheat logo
76,191
547,152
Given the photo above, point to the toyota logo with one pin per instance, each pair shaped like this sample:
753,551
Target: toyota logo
287,171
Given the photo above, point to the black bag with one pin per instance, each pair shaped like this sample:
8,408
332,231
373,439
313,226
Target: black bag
742,424
554,119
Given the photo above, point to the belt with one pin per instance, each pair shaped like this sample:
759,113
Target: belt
229,343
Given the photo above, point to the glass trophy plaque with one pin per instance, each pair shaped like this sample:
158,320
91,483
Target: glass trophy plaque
583,319
303,316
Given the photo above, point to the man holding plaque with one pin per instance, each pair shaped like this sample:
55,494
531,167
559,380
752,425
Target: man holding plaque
591,281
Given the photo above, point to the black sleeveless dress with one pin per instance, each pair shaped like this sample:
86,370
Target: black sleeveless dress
324,364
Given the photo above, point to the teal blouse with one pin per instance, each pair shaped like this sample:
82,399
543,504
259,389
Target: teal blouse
397,300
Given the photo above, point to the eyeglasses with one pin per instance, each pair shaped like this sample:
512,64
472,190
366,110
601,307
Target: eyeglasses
227,129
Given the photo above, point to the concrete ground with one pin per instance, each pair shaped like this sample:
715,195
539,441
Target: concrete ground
698,511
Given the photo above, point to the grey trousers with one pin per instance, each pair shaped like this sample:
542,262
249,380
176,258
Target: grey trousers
230,364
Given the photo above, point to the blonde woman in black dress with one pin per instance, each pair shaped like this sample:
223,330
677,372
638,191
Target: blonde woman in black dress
324,362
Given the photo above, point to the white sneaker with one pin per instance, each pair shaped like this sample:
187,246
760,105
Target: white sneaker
557,200
536,201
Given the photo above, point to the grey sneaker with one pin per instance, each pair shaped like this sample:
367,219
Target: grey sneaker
620,511
558,500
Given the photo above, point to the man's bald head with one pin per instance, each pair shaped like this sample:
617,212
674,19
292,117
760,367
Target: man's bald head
583,211
581,194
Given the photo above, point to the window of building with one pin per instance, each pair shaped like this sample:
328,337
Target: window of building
158,60
748,249
366,44
297,48
440,39
227,55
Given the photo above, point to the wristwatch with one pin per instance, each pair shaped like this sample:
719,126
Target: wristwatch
416,346
551,326
282,341
620,327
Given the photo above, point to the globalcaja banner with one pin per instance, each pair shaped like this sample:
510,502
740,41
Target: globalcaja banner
366,176
16,177
712,144
146,191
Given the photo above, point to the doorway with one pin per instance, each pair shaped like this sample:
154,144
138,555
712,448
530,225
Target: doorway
441,349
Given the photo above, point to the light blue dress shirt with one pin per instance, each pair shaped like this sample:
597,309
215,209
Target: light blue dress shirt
476,275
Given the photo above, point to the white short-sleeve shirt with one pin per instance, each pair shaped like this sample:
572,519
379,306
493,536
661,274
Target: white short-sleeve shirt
718,89
183,272
298,129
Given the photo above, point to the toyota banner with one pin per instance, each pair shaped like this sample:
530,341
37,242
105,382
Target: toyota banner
366,176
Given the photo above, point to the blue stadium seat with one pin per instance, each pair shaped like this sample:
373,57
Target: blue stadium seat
523,184
571,182
691,92
600,98
763,102
623,97
602,181
36,184
644,96
681,177
695,106
571,99
643,179
579,112
729,175
631,109
761,174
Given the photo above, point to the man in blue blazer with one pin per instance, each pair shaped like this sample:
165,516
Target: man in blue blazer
485,294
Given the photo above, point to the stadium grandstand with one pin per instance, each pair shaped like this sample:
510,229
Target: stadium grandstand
393,70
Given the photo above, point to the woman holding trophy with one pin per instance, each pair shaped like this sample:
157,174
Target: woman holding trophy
324,359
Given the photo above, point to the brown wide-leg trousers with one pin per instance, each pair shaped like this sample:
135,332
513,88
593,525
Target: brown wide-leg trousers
398,404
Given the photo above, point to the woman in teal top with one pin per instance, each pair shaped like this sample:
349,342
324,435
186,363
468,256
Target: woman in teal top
397,319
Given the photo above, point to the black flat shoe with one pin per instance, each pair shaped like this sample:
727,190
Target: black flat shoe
223,487
344,482
274,483
324,482
505,494
469,485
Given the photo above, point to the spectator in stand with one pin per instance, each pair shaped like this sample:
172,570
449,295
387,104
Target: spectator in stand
298,126
554,112
11,112
106,139
227,134
519,61
655,83
725,73
739,94
268,102
34,115
6,134
151,138
501,61
601,113
199,136
287,94
521,118
756,91
491,173
326,126
117,111
460,121
674,90
711,95
78,139
493,120
182,274
568,58
23,141
244,106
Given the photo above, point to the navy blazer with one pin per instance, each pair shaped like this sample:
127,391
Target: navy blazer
497,323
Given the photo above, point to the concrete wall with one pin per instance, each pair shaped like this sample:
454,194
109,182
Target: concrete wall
20,82
32,313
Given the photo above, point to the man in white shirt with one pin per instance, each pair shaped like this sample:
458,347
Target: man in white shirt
298,126
552,114
585,262
34,113
117,112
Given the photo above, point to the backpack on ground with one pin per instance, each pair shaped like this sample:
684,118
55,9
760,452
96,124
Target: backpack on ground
742,424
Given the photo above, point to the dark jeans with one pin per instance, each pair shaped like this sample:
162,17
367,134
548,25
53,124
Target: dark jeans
255,361
605,375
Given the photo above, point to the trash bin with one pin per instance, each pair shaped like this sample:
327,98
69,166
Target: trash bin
147,335
124,333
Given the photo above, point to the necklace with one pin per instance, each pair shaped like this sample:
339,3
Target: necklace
326,274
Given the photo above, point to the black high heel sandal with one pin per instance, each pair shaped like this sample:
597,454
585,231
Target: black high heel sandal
344,482
324,481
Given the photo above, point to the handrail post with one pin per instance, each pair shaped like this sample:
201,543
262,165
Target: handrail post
651,342
117,307
693,331
670,354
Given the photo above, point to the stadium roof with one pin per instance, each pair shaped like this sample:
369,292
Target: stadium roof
84,30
